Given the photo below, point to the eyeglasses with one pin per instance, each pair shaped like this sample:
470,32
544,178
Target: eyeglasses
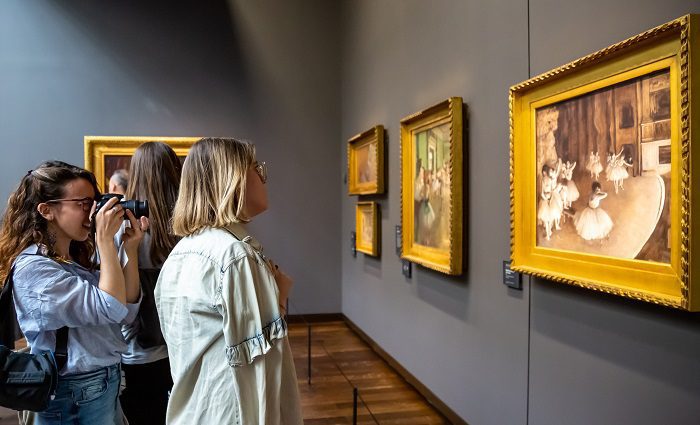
261,169
84,203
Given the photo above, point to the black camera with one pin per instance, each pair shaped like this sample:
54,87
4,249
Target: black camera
138,208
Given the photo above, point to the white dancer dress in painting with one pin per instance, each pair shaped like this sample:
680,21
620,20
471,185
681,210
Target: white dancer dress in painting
593,222
550,204
618,172
572,193
594,165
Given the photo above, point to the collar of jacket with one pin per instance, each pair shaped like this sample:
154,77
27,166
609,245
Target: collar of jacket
240,233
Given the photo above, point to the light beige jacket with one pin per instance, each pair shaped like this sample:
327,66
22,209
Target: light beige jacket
217,301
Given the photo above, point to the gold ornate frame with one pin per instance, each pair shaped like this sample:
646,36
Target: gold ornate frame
375,136
368,247
669,46
447,261
99,148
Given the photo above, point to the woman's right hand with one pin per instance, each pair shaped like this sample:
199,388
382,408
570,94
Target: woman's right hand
284,283
108,220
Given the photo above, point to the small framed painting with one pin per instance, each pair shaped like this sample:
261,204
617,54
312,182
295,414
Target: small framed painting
367,228
366,162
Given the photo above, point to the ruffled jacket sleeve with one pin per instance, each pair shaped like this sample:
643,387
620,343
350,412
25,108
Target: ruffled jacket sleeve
248,303
252,325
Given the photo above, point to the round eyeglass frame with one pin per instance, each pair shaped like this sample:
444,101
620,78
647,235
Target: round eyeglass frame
261,169
84,203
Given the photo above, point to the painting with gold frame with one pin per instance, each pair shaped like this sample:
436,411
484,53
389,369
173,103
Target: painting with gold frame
106,154
367,228
601,177
431,187
366,162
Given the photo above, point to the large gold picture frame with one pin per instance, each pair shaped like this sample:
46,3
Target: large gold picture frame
604,169
367,228
106,154
366,162
431,187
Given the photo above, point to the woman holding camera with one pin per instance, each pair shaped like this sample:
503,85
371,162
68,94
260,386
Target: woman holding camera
221,303
155,177
47,237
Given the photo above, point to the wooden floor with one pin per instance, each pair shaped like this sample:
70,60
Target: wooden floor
341,361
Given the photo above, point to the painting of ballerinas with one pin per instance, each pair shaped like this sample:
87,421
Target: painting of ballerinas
603,171
431,187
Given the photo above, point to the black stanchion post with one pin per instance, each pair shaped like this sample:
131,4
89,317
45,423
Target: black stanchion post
354,406
308,357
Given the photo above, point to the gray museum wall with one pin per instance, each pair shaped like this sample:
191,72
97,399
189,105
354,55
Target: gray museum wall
597,359
464,338
75,68
551,354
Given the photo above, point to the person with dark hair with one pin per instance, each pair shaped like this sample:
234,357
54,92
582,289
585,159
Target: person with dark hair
155,177
221,302
47,239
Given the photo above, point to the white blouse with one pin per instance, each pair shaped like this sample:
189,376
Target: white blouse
231,363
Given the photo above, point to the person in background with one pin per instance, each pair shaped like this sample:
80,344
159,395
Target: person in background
119,181
221,302
155,177
47,242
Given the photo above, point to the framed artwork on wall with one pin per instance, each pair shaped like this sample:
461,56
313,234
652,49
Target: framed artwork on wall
366,162
431,187
601,177
367,228
106,154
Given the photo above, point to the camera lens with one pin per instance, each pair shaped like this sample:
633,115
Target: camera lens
139,208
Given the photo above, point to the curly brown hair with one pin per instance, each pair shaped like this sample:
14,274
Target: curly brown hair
22,225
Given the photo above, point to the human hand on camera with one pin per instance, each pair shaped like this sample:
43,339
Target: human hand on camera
133,234
107,221
284,283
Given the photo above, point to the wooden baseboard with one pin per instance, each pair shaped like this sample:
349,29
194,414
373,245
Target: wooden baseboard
405,374
315,318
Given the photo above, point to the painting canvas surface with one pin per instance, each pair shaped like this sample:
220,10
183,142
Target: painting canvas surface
113,163
367,228
367,163
604,171
431,187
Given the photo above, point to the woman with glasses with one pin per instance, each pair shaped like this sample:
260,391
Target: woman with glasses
145,363
47,242
221,302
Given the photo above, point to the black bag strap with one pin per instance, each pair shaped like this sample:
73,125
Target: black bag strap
61,353
10,328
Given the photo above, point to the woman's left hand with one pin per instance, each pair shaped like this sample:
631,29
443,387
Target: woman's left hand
134,235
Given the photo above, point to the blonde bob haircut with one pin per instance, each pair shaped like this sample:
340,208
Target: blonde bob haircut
213,184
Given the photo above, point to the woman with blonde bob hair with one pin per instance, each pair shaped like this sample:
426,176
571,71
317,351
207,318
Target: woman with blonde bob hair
221,302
